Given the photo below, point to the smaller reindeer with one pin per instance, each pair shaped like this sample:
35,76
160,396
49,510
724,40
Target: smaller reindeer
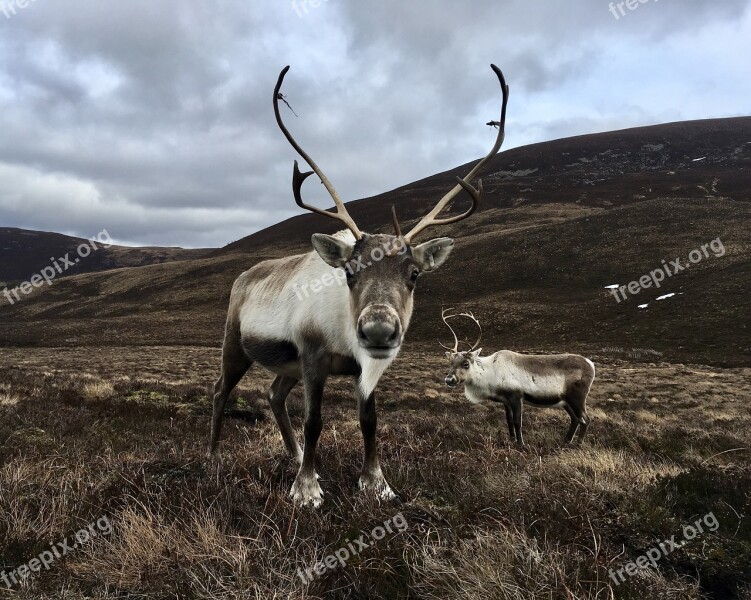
512,379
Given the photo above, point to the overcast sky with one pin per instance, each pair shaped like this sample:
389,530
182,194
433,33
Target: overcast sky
153,119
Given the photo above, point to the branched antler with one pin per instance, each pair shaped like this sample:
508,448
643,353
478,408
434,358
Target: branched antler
445,318
469,315
298,178
431,218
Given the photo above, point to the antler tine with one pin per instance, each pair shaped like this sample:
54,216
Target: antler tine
395,220
476,194
298,178
471,315
455,349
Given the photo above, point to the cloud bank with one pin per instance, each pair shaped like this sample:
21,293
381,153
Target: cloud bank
154,119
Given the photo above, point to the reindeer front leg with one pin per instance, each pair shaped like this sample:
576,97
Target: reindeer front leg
510,421
305,489
517,407
372,477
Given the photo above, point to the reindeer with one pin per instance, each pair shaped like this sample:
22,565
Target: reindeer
354,327
512,379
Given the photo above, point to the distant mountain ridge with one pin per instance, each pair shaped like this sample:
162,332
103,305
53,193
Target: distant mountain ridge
25,252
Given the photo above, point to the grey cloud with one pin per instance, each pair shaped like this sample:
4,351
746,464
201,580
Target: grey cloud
154,119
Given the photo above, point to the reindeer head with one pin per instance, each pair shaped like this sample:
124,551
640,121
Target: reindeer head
382,270
463,364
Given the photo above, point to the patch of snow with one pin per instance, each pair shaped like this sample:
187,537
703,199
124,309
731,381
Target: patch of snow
643,305
517,173
615,286
665,296
699,159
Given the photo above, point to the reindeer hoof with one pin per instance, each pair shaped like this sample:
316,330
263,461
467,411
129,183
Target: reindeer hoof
379,485
306,490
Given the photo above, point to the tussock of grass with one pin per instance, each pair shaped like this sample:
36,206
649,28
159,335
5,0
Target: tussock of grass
7,399
98,390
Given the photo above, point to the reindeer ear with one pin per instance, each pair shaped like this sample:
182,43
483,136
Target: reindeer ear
448,354
431,255
334,251
476,354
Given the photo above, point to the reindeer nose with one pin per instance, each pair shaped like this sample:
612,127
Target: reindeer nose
450,380
380,333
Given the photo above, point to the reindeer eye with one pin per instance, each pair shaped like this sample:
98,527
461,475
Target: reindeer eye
466,365
414,276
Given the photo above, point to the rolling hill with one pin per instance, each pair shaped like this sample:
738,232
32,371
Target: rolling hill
561,221
24,252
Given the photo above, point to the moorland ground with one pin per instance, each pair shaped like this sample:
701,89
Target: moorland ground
121,432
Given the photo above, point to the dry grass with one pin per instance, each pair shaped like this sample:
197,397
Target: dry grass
9,399
98,390
122,433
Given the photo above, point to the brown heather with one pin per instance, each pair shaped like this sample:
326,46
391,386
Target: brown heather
486,520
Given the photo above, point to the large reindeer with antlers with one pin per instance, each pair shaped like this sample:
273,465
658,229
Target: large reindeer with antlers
354,327
512,379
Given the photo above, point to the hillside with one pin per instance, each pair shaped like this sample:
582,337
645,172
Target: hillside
696,159
561,221
24,252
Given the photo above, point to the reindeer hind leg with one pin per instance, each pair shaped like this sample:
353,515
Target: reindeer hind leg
574,423
575,403
234,365
584,425
280,389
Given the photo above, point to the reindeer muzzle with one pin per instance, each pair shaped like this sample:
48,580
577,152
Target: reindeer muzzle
379,331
